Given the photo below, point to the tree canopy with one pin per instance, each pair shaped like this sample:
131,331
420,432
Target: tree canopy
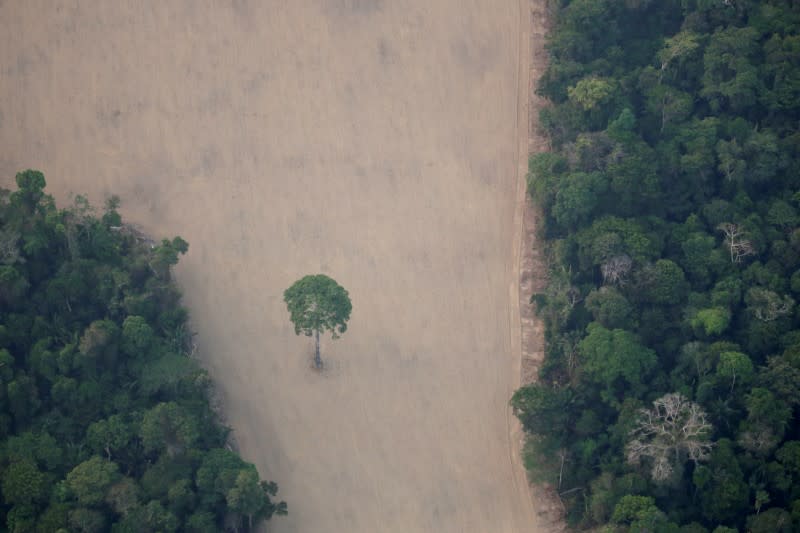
105,419
317,304
667,399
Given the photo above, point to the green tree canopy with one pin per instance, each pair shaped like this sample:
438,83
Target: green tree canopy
105,420
23,483
640,513
317,304
616,360
670,224
90,480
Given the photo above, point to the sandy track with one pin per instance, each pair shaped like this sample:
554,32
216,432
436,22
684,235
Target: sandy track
376,141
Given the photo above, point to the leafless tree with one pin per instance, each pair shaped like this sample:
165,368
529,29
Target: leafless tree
673,431
77,222
695,353
136,232
616,269
9,251
739,246
569,345
562,454
561,292
760,440
588,151
767,305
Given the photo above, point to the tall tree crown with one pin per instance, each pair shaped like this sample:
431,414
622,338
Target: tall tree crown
318,303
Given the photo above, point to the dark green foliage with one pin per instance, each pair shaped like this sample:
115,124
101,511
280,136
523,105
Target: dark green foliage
671,202
105,422
721,486
641,514
90,480
610,308
615,361
543,410
23,483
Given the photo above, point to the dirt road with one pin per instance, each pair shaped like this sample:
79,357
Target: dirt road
375,141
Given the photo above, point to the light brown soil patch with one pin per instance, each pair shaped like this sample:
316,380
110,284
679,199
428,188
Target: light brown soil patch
533,272
371,140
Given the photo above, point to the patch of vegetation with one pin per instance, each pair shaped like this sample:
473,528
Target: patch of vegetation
105,422
668,398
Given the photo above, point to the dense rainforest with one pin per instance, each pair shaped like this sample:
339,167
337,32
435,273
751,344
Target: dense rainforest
669,396
105,418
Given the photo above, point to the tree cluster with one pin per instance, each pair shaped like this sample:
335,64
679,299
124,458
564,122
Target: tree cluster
105,418
668,398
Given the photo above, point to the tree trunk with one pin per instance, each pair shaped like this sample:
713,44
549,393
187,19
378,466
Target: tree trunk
317,358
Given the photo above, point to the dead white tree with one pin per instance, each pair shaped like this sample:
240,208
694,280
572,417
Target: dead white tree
137,233
77,223
673,431
739,246
562,296
9,251
767,305
562,453
759,440
569,345
616,269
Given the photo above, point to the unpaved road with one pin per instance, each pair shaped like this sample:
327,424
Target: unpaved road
376,141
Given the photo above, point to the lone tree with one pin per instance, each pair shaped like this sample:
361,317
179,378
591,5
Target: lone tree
317,304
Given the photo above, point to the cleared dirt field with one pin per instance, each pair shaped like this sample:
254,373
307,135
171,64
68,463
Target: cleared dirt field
376,141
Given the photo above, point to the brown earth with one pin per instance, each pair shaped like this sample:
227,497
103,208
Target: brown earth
532,264
380,142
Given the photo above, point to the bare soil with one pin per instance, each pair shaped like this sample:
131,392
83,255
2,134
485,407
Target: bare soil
375,141
532,265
